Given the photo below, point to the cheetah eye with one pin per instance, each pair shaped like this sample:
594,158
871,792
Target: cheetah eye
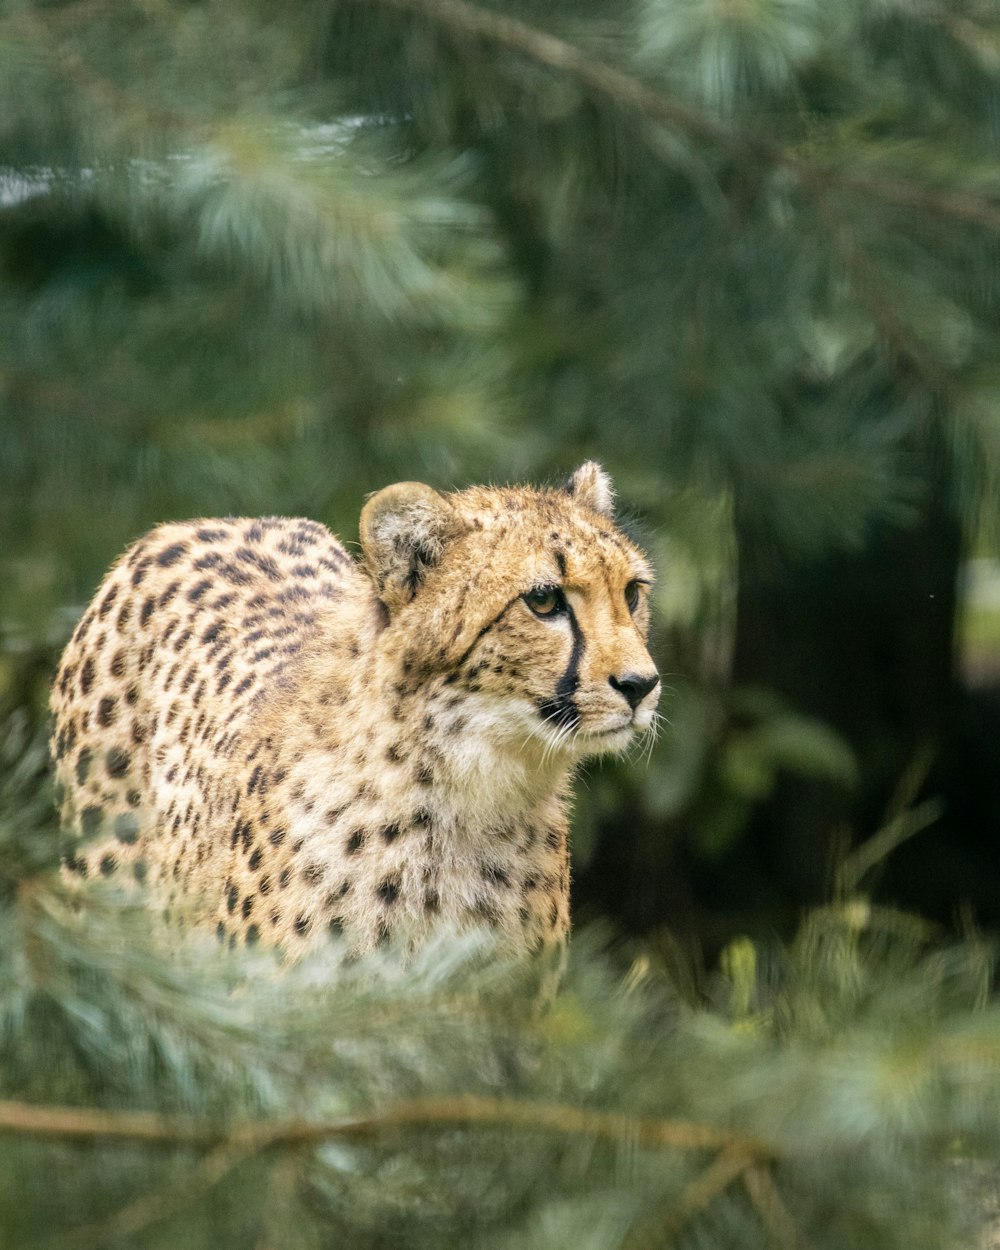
632,594
545,600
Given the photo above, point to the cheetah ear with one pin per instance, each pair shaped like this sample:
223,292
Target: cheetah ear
404,531
591,486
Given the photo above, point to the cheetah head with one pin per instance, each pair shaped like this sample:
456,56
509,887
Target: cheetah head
530,602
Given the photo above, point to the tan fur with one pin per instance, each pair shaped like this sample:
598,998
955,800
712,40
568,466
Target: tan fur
286,743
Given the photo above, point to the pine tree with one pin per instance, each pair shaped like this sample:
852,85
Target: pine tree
266,259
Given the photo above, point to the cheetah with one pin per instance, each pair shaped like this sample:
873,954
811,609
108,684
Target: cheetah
284,742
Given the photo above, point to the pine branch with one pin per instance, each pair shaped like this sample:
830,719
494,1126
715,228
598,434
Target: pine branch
632,94
167,1130
774,1215
726,1167
158,1204
107,95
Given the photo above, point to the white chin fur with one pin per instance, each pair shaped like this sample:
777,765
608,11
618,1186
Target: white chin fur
505,720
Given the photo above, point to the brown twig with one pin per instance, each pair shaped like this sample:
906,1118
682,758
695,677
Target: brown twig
726,1167
167,1130
158,1204
774,1215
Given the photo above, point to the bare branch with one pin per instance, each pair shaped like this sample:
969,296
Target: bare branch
167,1130
773,1213
707,1185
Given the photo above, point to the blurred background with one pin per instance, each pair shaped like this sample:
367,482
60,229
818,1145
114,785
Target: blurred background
264,258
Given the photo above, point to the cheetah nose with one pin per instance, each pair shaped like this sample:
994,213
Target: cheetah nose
634,686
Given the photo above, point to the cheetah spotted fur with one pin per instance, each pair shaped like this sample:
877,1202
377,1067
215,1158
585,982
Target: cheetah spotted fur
284,743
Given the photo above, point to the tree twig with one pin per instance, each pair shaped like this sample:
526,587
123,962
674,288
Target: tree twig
167,1130
718,1176
156,1205
773,1213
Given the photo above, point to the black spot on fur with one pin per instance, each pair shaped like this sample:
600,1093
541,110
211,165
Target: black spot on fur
232,894
147,611
127,828
107,601
277,837
170,555
494,874
355,842
302,925
87,676
77,865
254,861
388,890
91,819
197,591
390,833
108,865
117,762
83,765
253,935
265,563
247,907
486,909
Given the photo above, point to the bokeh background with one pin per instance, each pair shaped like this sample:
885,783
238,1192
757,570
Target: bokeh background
260,258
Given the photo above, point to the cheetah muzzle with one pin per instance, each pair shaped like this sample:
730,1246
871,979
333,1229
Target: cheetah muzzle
284,742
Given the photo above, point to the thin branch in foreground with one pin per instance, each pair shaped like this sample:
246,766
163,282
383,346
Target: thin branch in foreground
159,1204
725,1168
166,1130
774,1215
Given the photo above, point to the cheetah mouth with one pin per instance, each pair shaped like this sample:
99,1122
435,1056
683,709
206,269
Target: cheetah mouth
624,731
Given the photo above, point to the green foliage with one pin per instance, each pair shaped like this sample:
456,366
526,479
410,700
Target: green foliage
837,1092
267,261
260,258
722,753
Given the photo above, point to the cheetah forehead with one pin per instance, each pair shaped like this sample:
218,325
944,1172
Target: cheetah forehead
520,539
